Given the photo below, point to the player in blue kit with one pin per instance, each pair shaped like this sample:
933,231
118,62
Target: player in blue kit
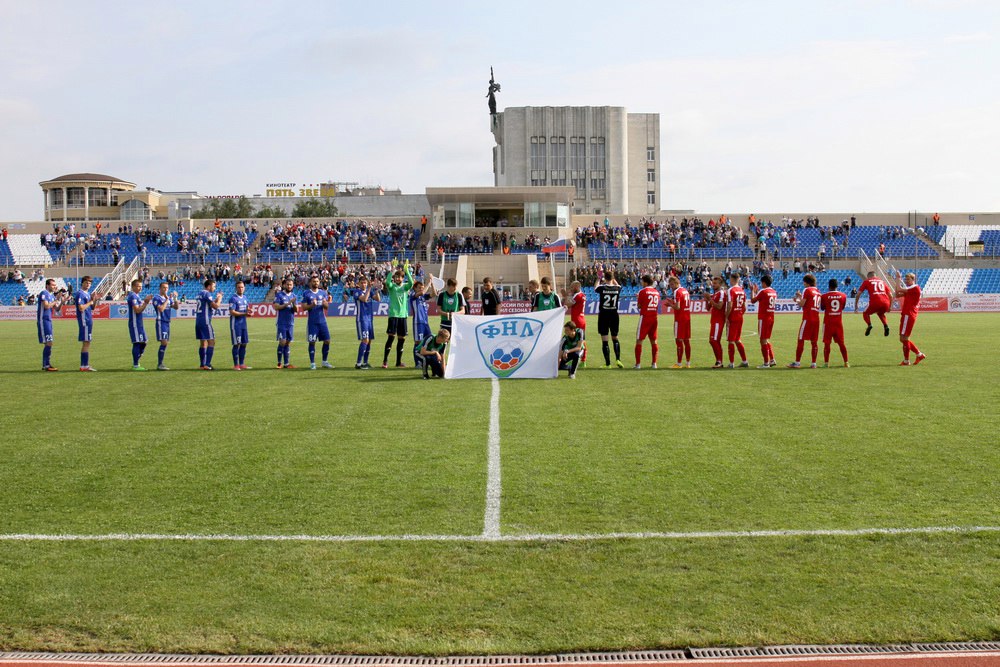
365,296
136,329
203,329
315,301
85,321
284,304
47,302
163,302
239,308
421,321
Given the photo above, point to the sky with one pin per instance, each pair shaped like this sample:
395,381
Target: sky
815,106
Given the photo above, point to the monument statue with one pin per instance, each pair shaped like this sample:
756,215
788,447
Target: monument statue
491,94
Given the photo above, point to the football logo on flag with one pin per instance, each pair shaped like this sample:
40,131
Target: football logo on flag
507,343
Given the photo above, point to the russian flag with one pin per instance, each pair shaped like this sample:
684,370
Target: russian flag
562,245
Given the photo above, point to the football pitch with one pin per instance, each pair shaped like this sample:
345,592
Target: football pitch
374,512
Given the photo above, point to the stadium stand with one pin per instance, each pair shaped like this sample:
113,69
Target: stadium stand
947,281
956,238
28,249
984,281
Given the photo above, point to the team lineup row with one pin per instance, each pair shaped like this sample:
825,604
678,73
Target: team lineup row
407,297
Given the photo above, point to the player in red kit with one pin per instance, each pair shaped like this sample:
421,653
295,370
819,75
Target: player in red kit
649,307
809,300
766,299
576,300
717,323
681,305
909,290
736,306
879,301
832,304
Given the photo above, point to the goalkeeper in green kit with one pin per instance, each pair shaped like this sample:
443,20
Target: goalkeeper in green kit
399,310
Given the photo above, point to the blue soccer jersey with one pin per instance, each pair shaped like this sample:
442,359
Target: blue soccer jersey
365,313
44,316
238,325
203,316
84,316
136,329
286,316
317,328
421,320
162,317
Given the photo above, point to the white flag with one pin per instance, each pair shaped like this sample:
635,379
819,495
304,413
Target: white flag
506,346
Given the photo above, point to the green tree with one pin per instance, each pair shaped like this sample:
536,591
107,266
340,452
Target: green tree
271,212
315,208
225,208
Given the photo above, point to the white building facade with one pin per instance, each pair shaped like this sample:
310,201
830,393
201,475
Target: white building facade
610,157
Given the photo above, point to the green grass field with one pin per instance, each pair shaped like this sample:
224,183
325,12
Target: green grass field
384,453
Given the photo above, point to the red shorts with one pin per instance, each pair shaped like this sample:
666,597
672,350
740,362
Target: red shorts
906,322
764,328
579,323
735,329
876,306
682,328
715,330
833,331
809,330
647,328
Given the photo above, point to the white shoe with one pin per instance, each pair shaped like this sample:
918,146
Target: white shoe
764,366
653,366
572,376
327,364
312,367
812,365
731,366
636,367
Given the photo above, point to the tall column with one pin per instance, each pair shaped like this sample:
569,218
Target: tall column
45,211
86,203
65,202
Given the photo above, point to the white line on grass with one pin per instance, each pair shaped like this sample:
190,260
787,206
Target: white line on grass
527,537
491,520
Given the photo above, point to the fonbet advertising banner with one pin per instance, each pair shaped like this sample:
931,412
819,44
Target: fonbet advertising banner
506,346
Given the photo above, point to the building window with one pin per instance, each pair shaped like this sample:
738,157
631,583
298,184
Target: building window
74,197
98,197
651,198
651,176
577,153
597,154
579,181
557,177
597,185
538,153
134,209
56,198
650,154
558,145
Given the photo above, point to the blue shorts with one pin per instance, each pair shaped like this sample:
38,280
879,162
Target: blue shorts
44,332
421,331
204,331
86,330
238,331
162,331
137,333
318,331
286,334
365,328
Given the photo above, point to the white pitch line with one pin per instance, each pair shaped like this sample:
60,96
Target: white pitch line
527,537
491,519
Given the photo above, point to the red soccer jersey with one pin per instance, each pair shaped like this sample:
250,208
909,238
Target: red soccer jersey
576,310
649,302
719,314
682,310
876,287
911,300
766,300
811,300
833,307
739,300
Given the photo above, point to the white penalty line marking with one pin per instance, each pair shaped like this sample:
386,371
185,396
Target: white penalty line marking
526,537
491,519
